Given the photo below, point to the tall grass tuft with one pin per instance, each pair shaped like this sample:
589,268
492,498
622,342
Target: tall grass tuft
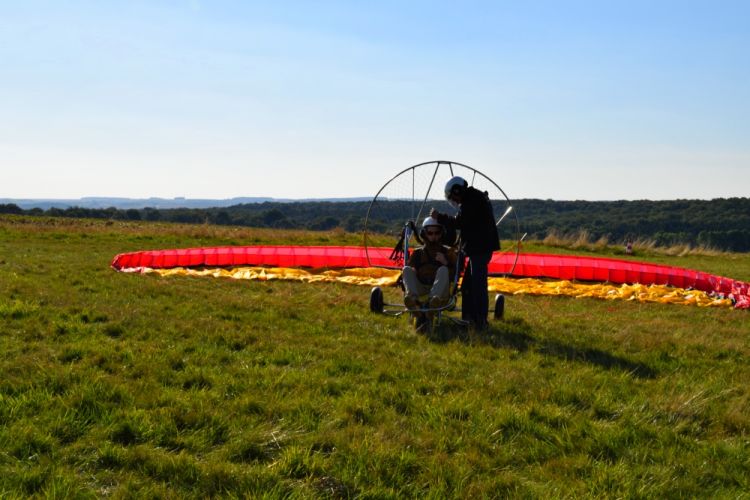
582,240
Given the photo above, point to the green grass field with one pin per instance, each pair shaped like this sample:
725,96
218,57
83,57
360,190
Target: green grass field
126,385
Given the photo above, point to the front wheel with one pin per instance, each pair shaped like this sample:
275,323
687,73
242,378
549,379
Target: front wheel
376,300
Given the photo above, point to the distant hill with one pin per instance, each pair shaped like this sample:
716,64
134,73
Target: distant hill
158,203
722,223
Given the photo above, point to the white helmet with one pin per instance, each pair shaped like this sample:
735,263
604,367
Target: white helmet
430,221
456,185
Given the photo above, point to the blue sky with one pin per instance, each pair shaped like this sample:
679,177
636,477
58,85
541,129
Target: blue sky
593,100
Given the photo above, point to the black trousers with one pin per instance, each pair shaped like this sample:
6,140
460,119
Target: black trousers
474,296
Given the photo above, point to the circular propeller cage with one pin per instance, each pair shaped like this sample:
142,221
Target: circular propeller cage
411,194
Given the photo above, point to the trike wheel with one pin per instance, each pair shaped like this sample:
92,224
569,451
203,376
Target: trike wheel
499,306
376,300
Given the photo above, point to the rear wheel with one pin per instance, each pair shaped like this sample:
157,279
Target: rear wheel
499,306
376,300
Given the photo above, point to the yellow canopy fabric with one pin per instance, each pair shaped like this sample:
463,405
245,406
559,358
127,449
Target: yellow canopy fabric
373,276
636,292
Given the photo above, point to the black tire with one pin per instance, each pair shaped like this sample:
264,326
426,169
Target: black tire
376,300
499,306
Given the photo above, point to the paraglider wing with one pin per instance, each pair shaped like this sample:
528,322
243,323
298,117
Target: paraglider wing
565,267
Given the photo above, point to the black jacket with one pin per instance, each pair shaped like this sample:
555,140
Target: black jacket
476,221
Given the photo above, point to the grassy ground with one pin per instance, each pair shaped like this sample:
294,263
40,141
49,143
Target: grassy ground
128,385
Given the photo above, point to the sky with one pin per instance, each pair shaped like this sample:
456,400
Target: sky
589,100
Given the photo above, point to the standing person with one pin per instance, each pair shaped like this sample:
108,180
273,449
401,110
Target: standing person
476,221
429,271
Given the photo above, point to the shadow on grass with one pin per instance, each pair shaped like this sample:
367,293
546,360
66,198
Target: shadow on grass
597,357
515,333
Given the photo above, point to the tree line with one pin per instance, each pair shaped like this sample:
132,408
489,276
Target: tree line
722,223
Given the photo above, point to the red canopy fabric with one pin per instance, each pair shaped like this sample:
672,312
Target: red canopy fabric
568,267
270,255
